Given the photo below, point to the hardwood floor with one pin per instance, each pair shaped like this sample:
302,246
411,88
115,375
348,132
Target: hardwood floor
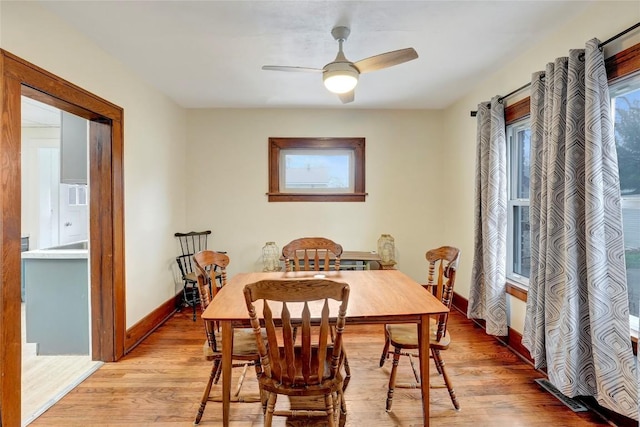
161,382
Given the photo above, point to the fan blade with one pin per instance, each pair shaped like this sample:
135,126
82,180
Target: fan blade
347,97
286,68
385,60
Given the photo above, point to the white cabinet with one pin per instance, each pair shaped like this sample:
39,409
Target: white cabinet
73,149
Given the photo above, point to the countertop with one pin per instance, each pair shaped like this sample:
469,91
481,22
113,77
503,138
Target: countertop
56,254
71,250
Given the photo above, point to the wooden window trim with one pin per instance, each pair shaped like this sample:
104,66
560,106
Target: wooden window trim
517,111
355,144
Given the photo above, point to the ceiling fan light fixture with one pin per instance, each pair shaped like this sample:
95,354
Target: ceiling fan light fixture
340,77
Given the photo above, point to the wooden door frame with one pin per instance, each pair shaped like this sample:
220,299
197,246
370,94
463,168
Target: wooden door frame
106,212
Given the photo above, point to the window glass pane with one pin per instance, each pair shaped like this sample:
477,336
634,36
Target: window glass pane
82,194
523,141
521,241
518,248
322,170
626,111
631,225
72,195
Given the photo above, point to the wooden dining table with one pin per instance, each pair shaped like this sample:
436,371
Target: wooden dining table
376,297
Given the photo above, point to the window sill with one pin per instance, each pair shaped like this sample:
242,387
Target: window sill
317,197
517,290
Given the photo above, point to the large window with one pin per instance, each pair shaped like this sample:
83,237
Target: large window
625,99
518,250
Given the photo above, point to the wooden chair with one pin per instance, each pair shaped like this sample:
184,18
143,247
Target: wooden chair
210,266
405,337
311,254
190,244
311,369
314,254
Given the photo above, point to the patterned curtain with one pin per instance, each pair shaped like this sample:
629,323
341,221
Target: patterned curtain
577,318
487,298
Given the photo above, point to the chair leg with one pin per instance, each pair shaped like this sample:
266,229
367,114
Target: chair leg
216,370
438,359
438,368
194,300
342,401
218,373
189,297
339,405
207,391
328,403
271,404
385,350
416,375
264,395
347,371
241,379
392,377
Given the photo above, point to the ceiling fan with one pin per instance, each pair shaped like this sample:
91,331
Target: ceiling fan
341,75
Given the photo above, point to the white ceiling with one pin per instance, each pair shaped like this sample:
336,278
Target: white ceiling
36,114
208,54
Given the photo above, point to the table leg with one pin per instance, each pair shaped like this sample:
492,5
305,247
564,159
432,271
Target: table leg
423,340
227,346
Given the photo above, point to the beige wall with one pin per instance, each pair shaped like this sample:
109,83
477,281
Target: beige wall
404,176
602,20
155,137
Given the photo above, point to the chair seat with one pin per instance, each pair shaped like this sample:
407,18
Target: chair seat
406,336
244,344
328,385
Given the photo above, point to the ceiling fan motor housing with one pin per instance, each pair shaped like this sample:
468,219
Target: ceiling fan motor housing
340,77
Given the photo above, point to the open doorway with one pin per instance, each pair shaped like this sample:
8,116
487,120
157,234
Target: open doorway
55,252
106,231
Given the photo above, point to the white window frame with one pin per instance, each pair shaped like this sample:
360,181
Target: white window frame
513,201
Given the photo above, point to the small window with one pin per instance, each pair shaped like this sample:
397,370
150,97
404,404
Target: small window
316,169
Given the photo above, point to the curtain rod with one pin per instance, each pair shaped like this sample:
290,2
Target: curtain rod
601,45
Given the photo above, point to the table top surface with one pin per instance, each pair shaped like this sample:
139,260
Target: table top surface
376,296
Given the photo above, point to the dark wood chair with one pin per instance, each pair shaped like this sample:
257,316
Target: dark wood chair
311,369
190,244
211,266
311,254
404,338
